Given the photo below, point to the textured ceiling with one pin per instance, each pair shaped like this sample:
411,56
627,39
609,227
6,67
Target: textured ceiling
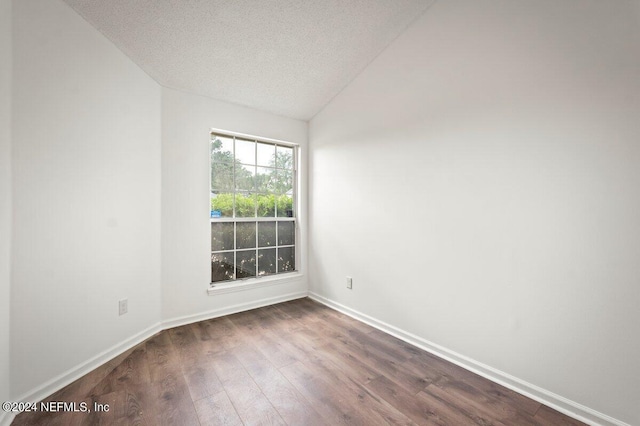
286,57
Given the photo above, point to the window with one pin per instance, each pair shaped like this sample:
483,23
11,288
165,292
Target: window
253,199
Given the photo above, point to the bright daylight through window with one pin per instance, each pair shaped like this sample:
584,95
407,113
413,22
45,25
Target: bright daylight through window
253,218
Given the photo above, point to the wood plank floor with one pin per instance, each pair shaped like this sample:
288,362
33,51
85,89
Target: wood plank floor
296,363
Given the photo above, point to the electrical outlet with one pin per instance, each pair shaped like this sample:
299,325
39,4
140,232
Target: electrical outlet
349,282
123,306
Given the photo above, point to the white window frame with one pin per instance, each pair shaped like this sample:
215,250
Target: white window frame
238,284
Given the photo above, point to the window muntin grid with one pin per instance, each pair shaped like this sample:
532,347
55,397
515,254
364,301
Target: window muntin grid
253,195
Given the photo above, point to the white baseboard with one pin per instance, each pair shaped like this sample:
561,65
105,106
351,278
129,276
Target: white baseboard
557,402
6,418
228,310
41,392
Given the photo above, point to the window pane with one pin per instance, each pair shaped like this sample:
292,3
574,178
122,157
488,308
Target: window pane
222,177
286,233
221,266
285,206
222,205
245,151
221,236
245,205
245,235
266,205
284,182
245,177
246,266
265,179
221,149
266,261
286,259
266,154
251,179
284,157
266,234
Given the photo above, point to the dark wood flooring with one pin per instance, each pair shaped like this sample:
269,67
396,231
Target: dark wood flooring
296,363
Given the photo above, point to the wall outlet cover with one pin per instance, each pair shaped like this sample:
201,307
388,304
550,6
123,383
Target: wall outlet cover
123,306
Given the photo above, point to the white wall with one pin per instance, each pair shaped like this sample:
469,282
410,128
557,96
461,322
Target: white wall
86,176
5,194
479,180
88,165
186,242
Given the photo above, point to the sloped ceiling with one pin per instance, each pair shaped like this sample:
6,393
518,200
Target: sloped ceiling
286,57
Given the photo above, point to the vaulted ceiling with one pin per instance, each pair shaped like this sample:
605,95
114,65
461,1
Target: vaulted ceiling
283,56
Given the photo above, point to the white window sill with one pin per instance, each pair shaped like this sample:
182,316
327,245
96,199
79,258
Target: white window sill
249,284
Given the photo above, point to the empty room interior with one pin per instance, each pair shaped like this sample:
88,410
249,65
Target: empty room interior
320,212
